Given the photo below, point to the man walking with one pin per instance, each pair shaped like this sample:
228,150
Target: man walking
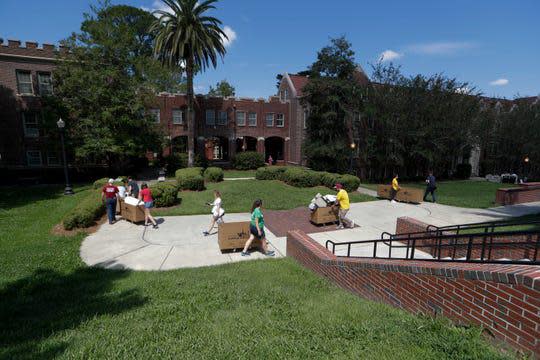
108,195
431,186
342,200
394,189
133,188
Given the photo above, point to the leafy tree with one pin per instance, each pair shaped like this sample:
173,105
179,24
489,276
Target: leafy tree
223,88
104,83
187,35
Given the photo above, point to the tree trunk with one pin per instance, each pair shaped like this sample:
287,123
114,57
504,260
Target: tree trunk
190,118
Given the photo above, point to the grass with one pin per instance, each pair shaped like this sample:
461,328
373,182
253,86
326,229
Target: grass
239,195
53,306
229,174
462,193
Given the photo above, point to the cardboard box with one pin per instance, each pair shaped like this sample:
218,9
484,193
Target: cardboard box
405,194
233,235
324,215
133,213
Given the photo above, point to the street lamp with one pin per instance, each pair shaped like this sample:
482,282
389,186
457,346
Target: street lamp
61,127
527,167
353,146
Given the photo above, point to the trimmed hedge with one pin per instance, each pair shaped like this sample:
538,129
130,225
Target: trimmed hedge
99,183
190,179
85,214
248,160
164,194
213,174
302,177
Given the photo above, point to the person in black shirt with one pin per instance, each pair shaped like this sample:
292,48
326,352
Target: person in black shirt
431,186
133,187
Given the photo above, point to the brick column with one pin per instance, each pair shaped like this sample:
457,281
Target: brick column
286,149
260,146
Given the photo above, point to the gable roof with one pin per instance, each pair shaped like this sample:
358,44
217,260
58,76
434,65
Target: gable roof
298,82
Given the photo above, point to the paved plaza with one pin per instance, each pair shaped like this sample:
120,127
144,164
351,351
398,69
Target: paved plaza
179,243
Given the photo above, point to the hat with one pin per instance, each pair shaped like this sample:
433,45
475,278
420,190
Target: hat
338,186
111,181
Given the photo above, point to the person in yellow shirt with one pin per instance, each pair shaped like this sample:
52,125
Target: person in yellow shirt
342,200
395,188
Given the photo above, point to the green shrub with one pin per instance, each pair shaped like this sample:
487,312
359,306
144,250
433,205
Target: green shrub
164,194
349,182
248,160
329,179
213,174
463,171
85,214
175,161
99,183
270,173
300,177
190,179
200,161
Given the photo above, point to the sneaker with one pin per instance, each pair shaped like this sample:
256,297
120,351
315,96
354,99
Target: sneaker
205,233
352,224
155,227
393,201
339,227
245,253
270,253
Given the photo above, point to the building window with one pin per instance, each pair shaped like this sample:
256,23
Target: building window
269,120
45,83
210,117
240,118
177,117
33,158
30,124
24,82
306,115
53,158
280,120
155,115
252,119
286,95
222,118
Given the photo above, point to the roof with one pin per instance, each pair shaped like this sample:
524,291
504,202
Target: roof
299,82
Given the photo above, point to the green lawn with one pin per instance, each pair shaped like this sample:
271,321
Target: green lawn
53,306
238,196
239,173
463,193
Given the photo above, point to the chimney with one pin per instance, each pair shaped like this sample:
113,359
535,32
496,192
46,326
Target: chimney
48,47
31,45
14,43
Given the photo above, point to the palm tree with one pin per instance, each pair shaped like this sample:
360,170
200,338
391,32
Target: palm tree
186,36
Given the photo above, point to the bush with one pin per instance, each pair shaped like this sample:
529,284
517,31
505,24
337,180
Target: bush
463,171
349,182
248,160
329,179
164,194
86,212
175,161
200,161
213,174
190,179
270,173
300,177
99,183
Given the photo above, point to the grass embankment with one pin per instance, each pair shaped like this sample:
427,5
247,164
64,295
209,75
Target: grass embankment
462,193
231,174
53,306
238,196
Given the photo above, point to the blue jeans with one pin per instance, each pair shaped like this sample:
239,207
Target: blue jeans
430,190
111,209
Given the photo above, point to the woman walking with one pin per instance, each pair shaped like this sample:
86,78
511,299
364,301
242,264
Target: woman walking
256,229
217,212
146,196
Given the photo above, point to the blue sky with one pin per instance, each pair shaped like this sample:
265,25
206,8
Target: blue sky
493,44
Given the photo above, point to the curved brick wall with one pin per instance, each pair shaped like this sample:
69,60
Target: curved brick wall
504,299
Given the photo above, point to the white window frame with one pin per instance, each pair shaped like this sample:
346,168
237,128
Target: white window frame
285,94
222,118
249,118
177,113
30,132
156,113
241,120
210,121
267,117
57,156
306,115
28,157
42,85
282,116
17,72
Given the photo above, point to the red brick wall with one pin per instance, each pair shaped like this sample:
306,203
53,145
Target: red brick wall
519,195
504,299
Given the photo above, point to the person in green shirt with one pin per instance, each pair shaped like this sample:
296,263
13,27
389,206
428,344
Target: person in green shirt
256,229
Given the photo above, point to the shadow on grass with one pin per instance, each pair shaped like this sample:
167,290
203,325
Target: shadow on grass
17,196
37,307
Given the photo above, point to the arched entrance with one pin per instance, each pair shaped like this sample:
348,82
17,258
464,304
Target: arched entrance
179,144
246,143
216,148
274,146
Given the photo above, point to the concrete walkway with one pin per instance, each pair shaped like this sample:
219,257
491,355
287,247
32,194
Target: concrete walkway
179,243
366,191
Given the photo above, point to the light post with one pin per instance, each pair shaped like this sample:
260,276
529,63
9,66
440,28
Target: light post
526,170
353,146
61,127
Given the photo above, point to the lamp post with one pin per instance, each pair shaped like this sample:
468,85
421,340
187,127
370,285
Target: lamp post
353,146
61,127
526,170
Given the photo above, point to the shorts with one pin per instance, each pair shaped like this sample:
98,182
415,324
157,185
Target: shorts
254,232
149,204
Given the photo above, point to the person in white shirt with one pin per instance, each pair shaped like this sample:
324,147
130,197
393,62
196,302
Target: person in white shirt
217,212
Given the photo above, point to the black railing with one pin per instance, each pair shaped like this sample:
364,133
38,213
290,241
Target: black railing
503,247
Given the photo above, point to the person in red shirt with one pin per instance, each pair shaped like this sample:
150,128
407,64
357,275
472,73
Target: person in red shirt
108,195
146,196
